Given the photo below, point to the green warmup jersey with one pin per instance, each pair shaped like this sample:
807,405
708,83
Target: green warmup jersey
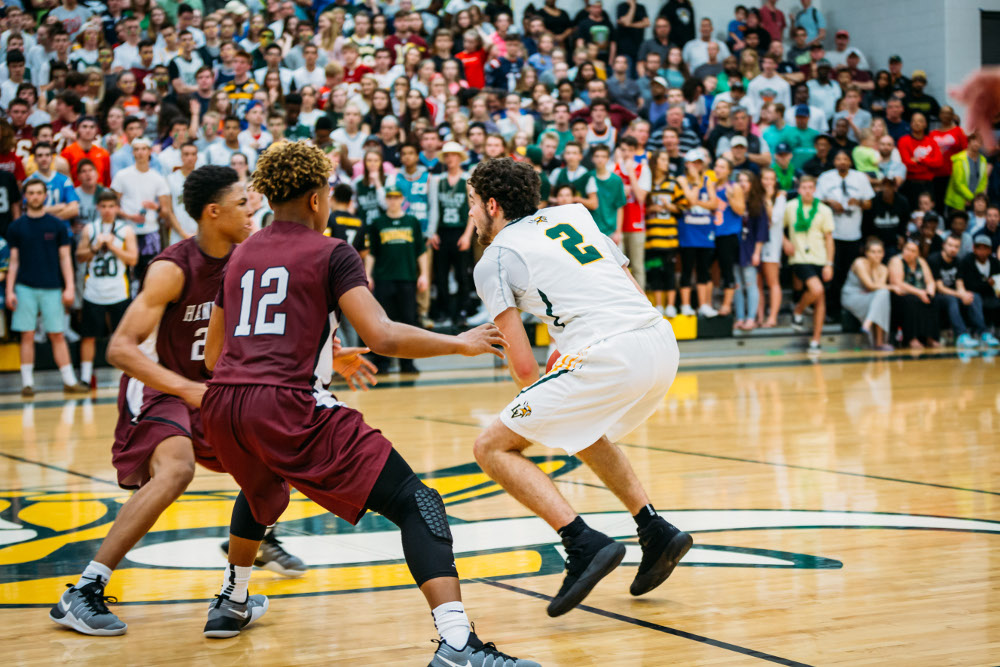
453,203
661,227
368,205
395,243
581,184
610,198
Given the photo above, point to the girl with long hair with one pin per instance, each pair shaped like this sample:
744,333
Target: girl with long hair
369,188
400,89
114,130
665,202
380,108
770,256
89,44
309,113
675,69
754,235
452,73
879,96
749,64
288,32
272,86
728,227
95,89
415,108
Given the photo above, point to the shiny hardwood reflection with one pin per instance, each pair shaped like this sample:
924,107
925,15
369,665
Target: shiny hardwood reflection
875,485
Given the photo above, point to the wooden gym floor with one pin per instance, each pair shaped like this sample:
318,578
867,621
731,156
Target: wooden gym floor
845,512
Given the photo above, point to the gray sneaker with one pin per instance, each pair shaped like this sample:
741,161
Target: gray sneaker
272,556
226,618
85,610
476,654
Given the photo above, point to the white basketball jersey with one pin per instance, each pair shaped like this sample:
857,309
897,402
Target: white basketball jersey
107,276
558,266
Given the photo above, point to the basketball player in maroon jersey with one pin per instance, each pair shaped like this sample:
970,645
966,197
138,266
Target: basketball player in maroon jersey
159,437
271,429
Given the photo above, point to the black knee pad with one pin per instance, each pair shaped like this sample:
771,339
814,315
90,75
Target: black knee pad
243,524
431,508
423,525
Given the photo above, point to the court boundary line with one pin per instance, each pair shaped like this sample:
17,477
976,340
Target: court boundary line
737,459
649,625
67,471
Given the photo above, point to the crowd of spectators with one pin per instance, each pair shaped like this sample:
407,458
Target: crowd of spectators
740,159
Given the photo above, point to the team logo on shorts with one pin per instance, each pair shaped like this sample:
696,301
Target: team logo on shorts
520,411
46,537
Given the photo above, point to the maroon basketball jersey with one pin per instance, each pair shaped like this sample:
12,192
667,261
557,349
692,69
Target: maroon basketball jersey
280,287
180,340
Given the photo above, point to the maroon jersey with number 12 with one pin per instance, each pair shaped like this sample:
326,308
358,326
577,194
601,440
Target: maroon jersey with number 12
268,425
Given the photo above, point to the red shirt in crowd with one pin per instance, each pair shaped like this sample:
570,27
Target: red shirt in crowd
475,67
921,157
397,46
773,20
354,75
634,211
9,161
100,157
950,142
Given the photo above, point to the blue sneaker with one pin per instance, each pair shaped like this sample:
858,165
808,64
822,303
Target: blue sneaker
989,340
965,340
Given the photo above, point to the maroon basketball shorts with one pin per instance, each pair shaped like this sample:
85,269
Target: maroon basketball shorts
147,417
268,438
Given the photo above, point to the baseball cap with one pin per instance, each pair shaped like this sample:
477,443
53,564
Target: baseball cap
782,147
823,62
843,33
236,7
141,141
660,81
392,190
919,74
372,139
739,140
694,155
802,110
982,239
895,58
931,216
736,83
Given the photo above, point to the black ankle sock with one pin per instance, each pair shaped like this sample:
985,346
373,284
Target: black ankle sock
574,528
645,516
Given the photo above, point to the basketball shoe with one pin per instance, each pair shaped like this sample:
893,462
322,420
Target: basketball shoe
272,556
590,557
226,618
85,610
475,654
663,546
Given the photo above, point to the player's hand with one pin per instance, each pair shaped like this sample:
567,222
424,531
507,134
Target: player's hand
193,393
434,242
67,296
354,368
464,243
827,274
423,284
481,341
980,92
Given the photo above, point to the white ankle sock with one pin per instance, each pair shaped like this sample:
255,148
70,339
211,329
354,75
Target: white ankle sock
235,581
27,375
452,624
94,572
68,376
86,371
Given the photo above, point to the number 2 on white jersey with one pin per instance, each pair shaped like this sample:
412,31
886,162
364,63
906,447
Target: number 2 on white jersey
275,326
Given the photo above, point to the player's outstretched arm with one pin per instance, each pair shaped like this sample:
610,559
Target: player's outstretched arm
163,284
392,339
521,360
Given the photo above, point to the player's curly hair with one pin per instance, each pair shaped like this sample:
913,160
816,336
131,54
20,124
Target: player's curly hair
207,185
289,169
514,185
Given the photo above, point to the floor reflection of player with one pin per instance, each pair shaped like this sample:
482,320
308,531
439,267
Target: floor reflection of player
273,429
159,434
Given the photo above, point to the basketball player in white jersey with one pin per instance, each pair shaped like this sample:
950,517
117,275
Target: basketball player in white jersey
108,247
618,359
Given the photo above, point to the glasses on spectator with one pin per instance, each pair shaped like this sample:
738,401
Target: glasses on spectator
148,103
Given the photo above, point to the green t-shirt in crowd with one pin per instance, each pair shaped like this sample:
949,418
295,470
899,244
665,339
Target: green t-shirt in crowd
801,143
610,198
395,243
453,203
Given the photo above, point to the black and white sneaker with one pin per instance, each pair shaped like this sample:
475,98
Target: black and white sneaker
798,322
272,556
85,610
227,618
475,654
663,546
588,560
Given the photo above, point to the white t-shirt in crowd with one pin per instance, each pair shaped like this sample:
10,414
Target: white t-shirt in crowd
176,183
763,90
136,187
831,186
303,77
